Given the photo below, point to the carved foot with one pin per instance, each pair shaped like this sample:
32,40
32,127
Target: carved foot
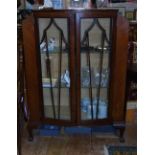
30,139
30,133
120,132
121,139
121,135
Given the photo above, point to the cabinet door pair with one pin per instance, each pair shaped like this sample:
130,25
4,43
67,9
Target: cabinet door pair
75,57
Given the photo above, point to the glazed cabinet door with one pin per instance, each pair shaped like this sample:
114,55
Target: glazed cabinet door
56,64
95,47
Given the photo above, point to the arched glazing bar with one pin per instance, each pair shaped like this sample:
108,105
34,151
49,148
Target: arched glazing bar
48,63
85,43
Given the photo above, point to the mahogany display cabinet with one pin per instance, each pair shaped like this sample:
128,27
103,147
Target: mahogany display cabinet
75,65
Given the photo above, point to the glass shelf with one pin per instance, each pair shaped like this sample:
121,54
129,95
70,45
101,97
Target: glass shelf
94,87
64,51
95,50
49,86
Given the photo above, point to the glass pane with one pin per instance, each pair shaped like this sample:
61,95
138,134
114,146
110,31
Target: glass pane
55,67
95,69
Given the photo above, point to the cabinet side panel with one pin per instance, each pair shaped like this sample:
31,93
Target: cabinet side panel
31,71
119,75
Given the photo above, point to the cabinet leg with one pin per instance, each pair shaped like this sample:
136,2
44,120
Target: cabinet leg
120,132
30,133
19,145
121,135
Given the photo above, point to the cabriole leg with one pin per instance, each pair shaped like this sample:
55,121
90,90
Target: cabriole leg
120,132
30,132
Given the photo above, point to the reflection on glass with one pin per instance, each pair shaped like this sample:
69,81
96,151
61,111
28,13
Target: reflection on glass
85,76
86,108
52,45
95,77
102,79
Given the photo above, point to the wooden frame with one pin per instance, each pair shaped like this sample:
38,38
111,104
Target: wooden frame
90,14
119,26
70,18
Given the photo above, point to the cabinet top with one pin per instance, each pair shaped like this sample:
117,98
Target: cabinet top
77,10
106,11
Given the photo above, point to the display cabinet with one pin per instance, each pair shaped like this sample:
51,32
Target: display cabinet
75,64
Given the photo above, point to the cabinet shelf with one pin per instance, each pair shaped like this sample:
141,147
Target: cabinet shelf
94,49
55,52
46,83
49,86
84,87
